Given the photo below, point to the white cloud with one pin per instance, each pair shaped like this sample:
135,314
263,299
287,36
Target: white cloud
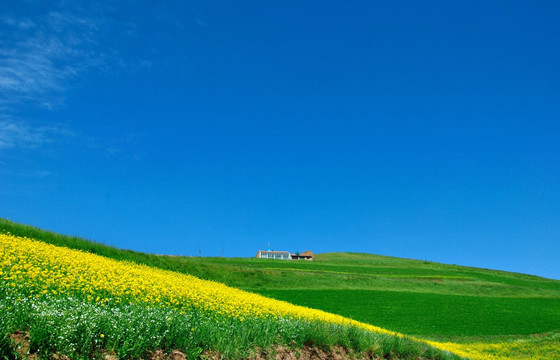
37,174
18,134
38,64
42,56
24,24
39,58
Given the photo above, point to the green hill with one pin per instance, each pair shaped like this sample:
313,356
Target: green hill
420,298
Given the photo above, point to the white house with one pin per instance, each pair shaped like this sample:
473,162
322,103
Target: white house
271,254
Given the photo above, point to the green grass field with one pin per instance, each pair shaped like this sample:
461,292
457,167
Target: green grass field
433,315
421,298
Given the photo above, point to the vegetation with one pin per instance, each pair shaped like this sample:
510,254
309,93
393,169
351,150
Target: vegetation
80,329
479,313
329,271
83,305
433,315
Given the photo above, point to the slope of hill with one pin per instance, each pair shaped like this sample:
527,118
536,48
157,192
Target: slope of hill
74,304
488,310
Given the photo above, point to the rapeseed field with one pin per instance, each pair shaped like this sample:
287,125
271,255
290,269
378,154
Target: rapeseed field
80,304
44,269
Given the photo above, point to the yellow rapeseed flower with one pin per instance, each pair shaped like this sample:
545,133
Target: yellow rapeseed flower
50,268
46,268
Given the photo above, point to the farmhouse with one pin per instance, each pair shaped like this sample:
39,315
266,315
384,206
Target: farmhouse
284,255
306,255
271,254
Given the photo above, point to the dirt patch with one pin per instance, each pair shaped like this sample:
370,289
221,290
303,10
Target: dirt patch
175,355
20,340
305,353
314,353
22,344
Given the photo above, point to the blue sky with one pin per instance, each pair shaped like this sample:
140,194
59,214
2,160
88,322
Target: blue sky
426,130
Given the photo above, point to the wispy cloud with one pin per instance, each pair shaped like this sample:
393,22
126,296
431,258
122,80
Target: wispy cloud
34,174
22,135
23,24
42,56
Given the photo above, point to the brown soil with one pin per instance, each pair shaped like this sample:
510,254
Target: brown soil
305,353
160,355
21,342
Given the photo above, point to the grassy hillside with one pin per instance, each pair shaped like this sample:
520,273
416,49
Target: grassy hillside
79,305
421,298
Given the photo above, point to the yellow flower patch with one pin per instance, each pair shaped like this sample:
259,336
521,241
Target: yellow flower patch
45,269
49,269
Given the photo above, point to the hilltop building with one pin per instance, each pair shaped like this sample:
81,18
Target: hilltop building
284,255
271,254
306,255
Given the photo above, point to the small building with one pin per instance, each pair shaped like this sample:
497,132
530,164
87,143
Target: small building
271,254
306,255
